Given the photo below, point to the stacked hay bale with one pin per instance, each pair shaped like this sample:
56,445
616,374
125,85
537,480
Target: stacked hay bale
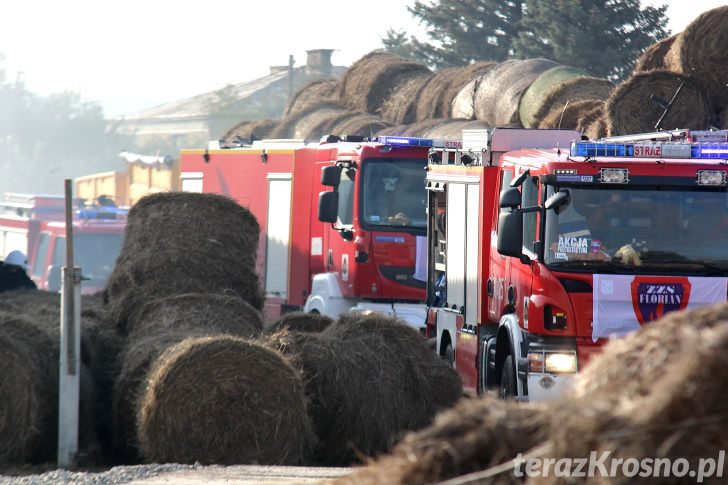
577,89
30,338
498,97
307,122
369,378
534,98
248,131
656,57
657,393
299,321
432,102
578,115
312,92
462,93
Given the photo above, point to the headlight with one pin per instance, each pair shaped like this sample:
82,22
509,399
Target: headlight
553,362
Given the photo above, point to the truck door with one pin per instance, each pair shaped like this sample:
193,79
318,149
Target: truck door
520,275
278,235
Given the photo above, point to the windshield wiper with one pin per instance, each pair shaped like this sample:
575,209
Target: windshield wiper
590,264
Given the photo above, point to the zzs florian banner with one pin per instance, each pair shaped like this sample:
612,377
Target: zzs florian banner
623,303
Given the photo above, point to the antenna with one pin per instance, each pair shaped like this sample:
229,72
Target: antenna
665,105
558,148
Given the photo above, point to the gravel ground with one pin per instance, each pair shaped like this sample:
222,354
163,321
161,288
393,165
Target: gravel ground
118,474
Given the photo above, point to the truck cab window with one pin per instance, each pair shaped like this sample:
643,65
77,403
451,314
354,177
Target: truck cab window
39,265
394,194
529,198
346,197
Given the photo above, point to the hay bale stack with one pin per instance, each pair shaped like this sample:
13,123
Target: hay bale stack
431,103
401,105
598,128
659,392
723,119
453,128
371,80
293,125
656,57
417,129
299,322
249,406
369,379
364,124
630,109
250,130
570,116
179,242
310,93
160,324
699,52
576,89
475,435
499,92
460,96
534,97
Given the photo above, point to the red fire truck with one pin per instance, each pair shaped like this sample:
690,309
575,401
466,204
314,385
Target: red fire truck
543,246
343,222
35,225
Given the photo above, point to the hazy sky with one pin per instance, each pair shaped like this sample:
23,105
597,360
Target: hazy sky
136,54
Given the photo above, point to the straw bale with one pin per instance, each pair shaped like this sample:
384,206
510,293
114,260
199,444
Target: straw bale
369,379
499,92
630,109
656,57
431,100
454,128
249,406
576,89
180,242
417,129
475,435
569,116
464,76
659,392
597,128
159,324
299,322
723,119
312,125
699,52
590,115
363,124
534,97
401,105
370,81
250,130
310,93
288,127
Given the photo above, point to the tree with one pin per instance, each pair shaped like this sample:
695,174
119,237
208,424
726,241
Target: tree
604,37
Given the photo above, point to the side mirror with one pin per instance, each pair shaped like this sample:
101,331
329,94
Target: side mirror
559,201
509,198
328,209
510,234
331,175
54,278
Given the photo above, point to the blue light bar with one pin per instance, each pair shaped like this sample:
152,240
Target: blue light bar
597,149
659,150
709,150
405,141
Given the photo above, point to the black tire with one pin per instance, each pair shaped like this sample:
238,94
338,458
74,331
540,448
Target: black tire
508,380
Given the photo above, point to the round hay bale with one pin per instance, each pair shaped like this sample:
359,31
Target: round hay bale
312,125
534,97
370,81
590,113
630,109
572,91
248,131
401,105
431,100
645,395
158,325
597,128
475,435
363,124
28,392
569,116
312,92
288,127
299,322
463,107
453,129
181,242
224,400
656,57
405,384
417,129
499,92
724,119
699,52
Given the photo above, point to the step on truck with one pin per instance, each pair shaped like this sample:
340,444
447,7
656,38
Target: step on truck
343,221
542,246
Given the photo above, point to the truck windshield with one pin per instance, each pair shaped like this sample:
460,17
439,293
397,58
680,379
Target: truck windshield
95,253
656,229
393,193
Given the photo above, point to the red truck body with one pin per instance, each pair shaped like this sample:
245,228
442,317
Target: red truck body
517,300
362,258
35,225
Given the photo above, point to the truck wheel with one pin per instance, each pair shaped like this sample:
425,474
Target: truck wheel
447,355
508,380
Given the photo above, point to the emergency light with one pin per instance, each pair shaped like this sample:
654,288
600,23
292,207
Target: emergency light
419,142
699,151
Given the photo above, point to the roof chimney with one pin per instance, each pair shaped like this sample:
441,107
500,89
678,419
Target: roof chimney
318,63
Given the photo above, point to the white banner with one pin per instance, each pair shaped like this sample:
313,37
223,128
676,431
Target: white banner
623,303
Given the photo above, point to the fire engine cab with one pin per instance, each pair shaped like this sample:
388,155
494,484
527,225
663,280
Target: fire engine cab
343,221
543,246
